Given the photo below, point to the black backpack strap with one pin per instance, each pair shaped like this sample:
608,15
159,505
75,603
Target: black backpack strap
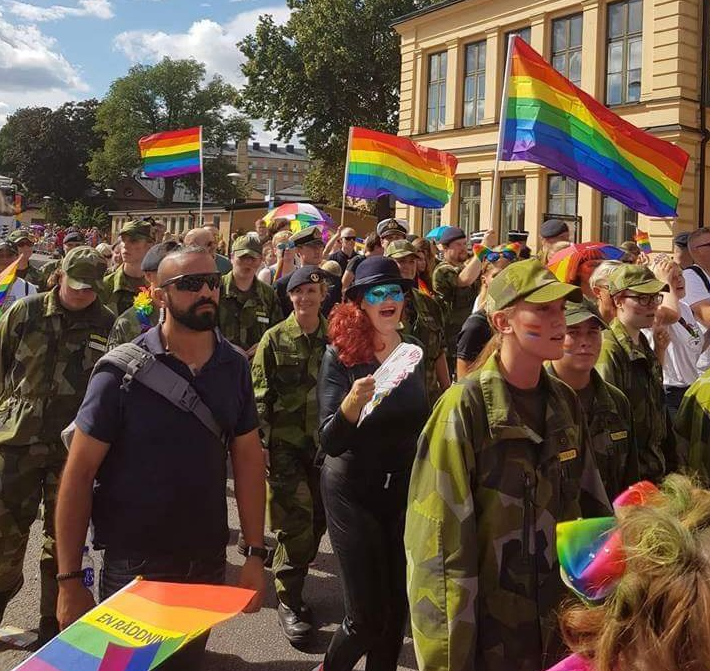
138,364
701,274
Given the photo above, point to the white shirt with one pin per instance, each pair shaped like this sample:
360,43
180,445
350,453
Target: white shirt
680,366
19,289
695,289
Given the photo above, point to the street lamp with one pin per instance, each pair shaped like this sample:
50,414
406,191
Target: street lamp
109,193
46,200
235,177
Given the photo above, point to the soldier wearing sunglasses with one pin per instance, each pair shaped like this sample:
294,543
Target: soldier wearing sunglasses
628,362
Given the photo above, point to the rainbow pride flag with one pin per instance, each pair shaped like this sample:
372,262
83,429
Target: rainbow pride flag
172,153
380,164
138,627
551,122
7,277
643,241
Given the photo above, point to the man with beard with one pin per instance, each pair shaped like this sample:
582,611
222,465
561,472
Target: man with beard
159,508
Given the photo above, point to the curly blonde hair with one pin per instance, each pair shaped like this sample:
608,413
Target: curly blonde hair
658,618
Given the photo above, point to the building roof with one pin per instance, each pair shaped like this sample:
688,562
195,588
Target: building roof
272,150
425,10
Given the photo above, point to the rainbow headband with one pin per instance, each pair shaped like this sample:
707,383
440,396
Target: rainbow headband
590,551
509,251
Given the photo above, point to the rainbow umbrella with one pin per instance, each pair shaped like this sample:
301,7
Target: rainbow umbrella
301,215
565,263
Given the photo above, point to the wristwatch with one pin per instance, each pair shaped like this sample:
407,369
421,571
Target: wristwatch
254,551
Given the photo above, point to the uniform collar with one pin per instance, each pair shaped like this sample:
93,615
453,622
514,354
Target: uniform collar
633,351
118,280
601,400
223,351
231,289
293,328
52,306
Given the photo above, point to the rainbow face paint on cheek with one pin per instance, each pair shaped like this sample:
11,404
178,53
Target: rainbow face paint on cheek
532,330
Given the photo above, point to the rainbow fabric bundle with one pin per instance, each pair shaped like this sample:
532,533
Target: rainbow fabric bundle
380,164
172,153
552,122
138,627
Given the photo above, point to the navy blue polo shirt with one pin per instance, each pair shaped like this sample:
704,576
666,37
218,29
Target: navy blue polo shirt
162,487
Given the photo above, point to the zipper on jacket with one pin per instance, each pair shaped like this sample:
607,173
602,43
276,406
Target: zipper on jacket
527,517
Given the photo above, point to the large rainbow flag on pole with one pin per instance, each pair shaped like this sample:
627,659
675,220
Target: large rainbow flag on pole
379,164
172,153
551,122
138,627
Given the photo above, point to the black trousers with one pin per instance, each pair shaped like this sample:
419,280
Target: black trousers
365,516
117,572
674,396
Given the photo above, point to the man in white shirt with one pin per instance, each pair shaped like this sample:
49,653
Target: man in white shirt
20,288
697,276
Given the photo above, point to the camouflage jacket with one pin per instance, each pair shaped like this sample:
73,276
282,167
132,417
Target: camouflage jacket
692,427
284,373
244,316
457,301
422,318
32,275
612,433
120,290
635,370
46,356
46,271
127,326
485,496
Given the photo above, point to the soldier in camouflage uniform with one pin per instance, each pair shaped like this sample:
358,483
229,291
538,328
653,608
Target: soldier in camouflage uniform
692,427
123,284
247,306
49,270
628,362
25,243
284,373
504,457
145,312
606,409
455,283
49,343
422,318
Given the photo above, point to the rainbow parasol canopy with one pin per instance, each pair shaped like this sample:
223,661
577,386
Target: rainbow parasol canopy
301,215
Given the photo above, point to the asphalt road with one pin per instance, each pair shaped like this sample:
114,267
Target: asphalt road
247,642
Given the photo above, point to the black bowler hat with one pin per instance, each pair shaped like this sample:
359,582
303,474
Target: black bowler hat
305,275
373,271
553,227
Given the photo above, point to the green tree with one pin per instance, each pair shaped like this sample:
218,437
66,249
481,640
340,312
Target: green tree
48,151
333,65
170,95
84,216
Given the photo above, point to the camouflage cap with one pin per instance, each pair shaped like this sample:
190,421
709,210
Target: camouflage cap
398,249
636,278
307,236
84,268
8,244
528,280
247,245
138,228
20,234
576,313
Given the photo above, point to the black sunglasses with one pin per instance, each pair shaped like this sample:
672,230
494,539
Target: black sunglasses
194,282
349,238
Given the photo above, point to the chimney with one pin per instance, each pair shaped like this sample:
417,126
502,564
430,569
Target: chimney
256,146
273,147
289,149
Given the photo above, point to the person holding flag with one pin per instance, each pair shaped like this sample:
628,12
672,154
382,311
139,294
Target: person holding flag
12,287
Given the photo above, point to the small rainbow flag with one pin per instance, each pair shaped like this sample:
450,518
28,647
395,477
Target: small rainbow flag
380,164
551,122
172,153
643,241
7,277
138,627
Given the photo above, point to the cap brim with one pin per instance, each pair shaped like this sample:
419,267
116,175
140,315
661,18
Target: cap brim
553,292
581,316
400,255
79,284
246,252
650,287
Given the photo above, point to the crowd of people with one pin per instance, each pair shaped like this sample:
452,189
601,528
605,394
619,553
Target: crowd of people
537,400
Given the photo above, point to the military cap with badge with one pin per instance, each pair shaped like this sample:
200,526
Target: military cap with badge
305,275
307,236
392,226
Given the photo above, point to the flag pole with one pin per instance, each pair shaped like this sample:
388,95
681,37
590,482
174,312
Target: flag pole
494,217
345,176
202,181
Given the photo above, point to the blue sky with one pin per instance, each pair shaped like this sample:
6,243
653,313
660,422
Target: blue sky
55,51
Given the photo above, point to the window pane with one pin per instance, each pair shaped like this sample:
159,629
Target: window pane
470,59
575,32
555,185
635,16
479,110
616,19
634,57
633,93
613,89
616,54
442,65
575,67
559,35
481,85
482,56
560,63
468,114
433,67
525,34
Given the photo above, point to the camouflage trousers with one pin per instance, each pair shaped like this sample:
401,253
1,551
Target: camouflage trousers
29,474
296,516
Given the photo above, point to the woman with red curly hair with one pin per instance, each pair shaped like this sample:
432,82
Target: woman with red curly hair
365,476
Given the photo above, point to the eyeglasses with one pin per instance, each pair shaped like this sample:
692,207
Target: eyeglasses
194,282
492,257
283,246
705,244
646,300
382,292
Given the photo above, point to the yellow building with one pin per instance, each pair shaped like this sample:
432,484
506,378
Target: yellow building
642,58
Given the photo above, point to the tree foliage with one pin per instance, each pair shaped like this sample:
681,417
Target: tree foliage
333,65
170,95
85,216
48,151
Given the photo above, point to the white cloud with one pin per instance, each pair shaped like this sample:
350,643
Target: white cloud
100,9
207,41
33,71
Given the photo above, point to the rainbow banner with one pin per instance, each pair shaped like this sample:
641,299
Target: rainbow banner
172,153
138,627
551,122
7,277
643,241
380,164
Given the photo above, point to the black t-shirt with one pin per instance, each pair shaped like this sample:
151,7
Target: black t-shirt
530,405
341,258
474,334
355,262
162,487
